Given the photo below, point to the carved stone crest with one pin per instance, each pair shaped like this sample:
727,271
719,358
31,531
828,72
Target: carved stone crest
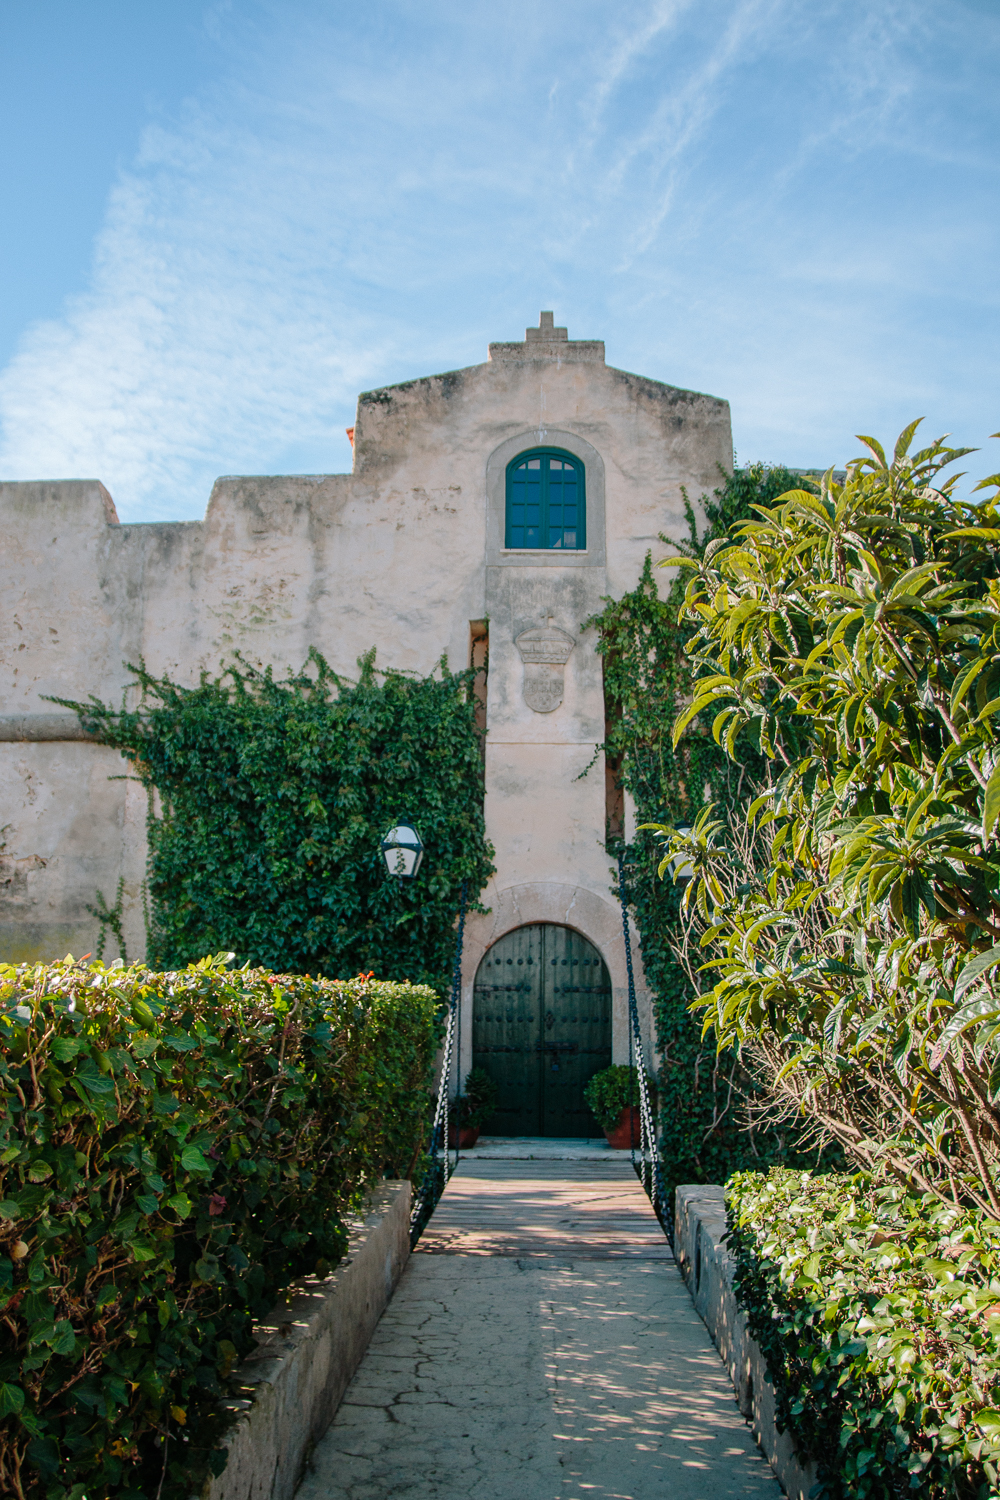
544,651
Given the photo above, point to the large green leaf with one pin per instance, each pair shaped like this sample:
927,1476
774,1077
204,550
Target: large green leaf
193,1160
11,1399
991,803
975,969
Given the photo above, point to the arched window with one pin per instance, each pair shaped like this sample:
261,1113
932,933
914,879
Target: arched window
546,504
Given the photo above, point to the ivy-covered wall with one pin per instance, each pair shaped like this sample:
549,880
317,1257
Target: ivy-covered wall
274,797
707,1103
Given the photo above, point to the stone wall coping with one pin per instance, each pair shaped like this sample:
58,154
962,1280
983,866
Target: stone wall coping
286,1392
566,351
707,1268
33,728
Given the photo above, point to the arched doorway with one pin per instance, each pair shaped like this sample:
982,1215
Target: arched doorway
541,1027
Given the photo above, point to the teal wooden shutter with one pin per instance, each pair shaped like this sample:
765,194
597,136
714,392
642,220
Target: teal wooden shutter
546,501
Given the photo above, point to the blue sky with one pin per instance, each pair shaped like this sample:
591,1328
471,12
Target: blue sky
224,220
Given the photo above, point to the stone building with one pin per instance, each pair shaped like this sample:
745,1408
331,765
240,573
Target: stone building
492,505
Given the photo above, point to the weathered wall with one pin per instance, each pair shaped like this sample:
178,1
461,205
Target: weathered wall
76,831
403,554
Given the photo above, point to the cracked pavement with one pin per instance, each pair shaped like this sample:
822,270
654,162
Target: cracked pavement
538,1377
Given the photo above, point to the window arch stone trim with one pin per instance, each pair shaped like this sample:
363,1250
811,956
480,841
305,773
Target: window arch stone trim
497,555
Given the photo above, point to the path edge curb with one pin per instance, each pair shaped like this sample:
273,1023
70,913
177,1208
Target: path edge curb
308,1349
707,1268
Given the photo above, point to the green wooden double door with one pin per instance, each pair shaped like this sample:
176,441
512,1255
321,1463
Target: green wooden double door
541,1029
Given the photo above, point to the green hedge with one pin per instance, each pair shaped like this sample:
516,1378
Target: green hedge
175,1148
878,1315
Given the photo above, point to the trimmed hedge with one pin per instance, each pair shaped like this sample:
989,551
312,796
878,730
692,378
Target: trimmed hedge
175,1148
878,1315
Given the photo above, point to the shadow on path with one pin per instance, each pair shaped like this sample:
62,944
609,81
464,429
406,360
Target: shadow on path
541,1345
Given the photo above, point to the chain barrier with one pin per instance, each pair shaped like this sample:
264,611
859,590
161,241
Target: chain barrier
648,1168
440,1166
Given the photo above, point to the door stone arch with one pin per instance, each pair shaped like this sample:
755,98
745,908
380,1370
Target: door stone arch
541,1027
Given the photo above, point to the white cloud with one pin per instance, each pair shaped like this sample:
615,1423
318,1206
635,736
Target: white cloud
211,337
735,194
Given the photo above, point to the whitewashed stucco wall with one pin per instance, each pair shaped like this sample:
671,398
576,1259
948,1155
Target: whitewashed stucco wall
402,554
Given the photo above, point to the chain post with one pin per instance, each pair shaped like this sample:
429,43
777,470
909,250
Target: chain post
456,1005
650,1154
432,1186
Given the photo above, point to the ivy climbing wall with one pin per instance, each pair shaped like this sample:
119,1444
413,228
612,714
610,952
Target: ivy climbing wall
708,1103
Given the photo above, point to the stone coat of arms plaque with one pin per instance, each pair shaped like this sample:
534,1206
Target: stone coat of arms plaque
544,651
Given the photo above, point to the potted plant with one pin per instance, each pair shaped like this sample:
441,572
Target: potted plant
469,1112
613,1096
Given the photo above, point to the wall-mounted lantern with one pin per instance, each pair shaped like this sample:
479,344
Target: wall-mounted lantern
402,850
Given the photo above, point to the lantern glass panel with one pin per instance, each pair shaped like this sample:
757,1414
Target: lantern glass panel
402,850
401,860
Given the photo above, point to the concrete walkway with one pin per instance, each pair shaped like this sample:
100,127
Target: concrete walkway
540,1346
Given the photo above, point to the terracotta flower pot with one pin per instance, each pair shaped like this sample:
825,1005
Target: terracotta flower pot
621,1137
467,1137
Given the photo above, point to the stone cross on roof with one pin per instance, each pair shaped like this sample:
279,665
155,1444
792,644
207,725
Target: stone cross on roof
546,342
545,331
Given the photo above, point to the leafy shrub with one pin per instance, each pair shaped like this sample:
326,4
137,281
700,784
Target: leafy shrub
274,797
711,1100
174,1149
613,1090
852,915
477,1103
878,1314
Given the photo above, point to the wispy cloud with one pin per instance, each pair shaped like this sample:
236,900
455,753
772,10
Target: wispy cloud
736,194
681,115
638,32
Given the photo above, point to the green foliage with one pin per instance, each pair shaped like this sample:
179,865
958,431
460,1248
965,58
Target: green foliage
612,1090
853,917
175,1148
477,1103
275,796
878,1315
111,920
709,1103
